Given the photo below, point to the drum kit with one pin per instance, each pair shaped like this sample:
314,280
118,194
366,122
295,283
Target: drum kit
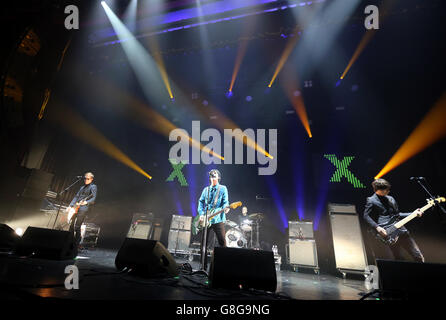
245,235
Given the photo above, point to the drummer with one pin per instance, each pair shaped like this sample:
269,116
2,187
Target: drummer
243,221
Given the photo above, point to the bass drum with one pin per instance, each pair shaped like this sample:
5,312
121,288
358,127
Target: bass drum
235,239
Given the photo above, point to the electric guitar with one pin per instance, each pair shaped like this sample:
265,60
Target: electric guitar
198,223
393,226
73,210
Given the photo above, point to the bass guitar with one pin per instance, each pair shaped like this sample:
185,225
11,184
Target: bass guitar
393,226
198,223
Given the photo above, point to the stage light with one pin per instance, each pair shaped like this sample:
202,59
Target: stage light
142,63
429,130
19,231
286,53
290,84
83,130
229,94
248,98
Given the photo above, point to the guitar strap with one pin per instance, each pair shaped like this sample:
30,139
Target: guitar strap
215,199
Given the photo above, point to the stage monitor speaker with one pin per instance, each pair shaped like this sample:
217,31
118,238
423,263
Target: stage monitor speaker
235,268
8,237
47,244
411,280
148,258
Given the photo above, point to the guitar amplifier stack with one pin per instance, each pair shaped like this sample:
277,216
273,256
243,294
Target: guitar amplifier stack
301,247
179,234
145,226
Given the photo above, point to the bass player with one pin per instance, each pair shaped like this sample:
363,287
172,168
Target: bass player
381,208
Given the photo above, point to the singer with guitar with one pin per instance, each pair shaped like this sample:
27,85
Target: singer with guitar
381,211
84,199
215,197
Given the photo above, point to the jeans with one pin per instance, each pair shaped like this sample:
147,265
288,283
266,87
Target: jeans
76,224
395,252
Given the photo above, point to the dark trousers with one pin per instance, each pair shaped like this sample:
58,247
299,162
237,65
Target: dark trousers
76,223
395,252
219,231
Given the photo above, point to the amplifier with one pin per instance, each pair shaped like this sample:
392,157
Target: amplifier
303,253
181,222
141,226
89,234
178,240
140,230
300,229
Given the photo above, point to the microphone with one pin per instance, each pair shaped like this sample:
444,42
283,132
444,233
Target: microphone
416,178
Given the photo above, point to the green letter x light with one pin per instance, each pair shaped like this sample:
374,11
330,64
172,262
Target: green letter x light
177,172
342,170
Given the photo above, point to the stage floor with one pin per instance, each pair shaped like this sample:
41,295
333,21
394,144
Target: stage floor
25,278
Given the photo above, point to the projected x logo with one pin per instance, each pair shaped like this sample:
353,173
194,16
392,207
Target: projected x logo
177,167
342,170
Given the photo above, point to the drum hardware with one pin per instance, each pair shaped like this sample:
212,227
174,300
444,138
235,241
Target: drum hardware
257,218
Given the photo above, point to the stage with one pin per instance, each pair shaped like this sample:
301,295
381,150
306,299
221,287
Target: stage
31,278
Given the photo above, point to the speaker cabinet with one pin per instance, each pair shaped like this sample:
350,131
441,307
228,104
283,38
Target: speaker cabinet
47,244
410,280
235,268
179,240
303,253
8,237
148,258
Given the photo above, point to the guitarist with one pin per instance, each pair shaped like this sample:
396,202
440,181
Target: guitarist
215,197
88,191
380,208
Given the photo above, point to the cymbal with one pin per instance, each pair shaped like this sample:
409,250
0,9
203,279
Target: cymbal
256,215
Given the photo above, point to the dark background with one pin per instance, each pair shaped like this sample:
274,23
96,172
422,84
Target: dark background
393,84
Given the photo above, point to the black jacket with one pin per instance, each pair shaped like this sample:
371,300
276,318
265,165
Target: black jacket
379,210
85,191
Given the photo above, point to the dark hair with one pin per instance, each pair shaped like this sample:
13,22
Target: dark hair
213,172
380,184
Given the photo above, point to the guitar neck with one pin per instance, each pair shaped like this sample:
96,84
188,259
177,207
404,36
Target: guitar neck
215,213
402,222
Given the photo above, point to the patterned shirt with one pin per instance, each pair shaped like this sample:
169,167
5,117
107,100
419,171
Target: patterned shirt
222,202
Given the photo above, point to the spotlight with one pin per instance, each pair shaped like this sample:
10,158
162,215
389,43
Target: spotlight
19,231
248,98
229,94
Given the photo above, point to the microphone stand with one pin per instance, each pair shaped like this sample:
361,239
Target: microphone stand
430,194
66,189
204,240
